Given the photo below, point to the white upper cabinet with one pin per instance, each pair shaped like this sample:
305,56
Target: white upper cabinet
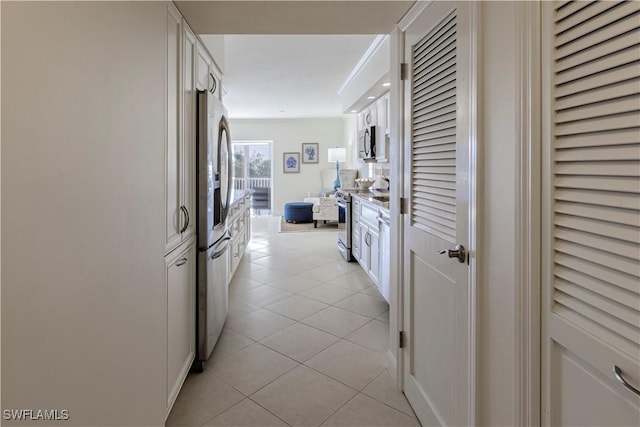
208,74
377,114
180,138
382,128
188,143
174,213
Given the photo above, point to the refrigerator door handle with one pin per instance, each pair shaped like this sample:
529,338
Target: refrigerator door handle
218,253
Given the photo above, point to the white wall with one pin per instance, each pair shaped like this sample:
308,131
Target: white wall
287,136
83,130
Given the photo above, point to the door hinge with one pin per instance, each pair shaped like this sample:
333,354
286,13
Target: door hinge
403,71
401,339
403,206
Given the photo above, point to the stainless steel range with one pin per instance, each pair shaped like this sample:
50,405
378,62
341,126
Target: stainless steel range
344,224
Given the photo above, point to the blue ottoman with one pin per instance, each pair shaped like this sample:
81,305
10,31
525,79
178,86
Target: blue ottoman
298,212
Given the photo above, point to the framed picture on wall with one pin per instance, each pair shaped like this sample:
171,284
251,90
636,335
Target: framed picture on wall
310,152
291,162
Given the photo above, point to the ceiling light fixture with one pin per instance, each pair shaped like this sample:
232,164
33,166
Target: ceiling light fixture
354,111
386,84
371,97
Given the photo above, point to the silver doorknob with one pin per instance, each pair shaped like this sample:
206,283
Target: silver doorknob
457,252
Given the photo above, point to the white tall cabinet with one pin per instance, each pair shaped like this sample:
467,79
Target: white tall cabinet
189,68
180,257
102,326
179,151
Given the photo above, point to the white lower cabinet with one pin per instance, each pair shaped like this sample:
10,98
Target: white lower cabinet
374,255
369,240
370,243
181,281
355,229
240,229
384,269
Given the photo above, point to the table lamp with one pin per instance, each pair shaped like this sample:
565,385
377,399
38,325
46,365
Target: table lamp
337,155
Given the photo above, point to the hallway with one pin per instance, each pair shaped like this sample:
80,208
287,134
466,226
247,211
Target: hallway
303,344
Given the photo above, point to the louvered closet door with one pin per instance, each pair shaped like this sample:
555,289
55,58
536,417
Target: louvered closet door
436,300
591,213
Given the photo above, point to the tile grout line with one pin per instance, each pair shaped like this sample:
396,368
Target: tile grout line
239,298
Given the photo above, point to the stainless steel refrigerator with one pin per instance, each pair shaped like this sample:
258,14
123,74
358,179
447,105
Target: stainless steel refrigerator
213,186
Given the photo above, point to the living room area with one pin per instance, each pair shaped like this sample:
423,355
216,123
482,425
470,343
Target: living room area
300,168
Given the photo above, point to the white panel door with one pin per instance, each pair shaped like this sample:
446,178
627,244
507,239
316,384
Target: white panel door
591,213
437,140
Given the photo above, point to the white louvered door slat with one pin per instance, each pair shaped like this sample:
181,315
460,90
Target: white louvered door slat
591,19
625,88
434,123
593,288
571,7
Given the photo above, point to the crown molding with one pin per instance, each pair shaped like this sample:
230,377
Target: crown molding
413,13
377,42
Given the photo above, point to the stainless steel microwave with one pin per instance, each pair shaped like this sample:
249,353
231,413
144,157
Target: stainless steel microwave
367,144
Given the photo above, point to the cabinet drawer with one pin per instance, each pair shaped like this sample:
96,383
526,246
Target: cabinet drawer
369,215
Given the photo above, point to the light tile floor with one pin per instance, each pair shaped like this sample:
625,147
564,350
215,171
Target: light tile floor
303,345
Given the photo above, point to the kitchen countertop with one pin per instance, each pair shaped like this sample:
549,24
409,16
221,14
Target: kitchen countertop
379,198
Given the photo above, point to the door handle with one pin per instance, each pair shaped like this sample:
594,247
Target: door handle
366,138
457,252
186,219
618,372
214,84
181,262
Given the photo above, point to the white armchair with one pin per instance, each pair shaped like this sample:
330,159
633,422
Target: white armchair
347,179
324,209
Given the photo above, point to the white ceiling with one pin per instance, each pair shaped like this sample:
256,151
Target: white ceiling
276,71
285,76
293,16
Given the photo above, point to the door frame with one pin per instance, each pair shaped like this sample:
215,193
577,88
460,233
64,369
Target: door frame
475,186
528,221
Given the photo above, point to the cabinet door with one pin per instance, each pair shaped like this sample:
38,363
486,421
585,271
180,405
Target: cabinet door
382,130
374,255
173,214
387,117
247,214
355,243
361,120
180,318
365,248
202,68
370,116
188,149
214,80
381,113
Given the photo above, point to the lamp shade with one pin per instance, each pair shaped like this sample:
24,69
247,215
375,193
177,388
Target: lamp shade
337,155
